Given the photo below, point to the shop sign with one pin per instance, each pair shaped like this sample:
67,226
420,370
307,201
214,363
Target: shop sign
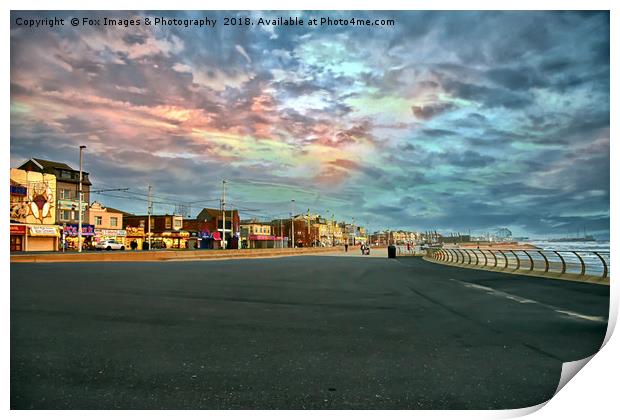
183,234
71,205
110,232
43,231
134,231
19,190
18,229
72,230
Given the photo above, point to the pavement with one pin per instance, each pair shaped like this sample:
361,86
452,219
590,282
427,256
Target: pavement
307,332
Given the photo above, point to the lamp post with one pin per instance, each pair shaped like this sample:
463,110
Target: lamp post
80,204
292,224
224,214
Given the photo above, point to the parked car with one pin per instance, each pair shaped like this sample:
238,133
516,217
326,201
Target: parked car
109,244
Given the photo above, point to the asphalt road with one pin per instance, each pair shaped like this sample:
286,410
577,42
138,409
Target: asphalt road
314,332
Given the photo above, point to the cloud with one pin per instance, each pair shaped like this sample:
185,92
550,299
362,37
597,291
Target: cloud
427,112
501,118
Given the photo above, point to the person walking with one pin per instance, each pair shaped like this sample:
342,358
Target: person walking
346,247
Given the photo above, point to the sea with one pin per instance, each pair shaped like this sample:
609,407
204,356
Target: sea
585,250
599,246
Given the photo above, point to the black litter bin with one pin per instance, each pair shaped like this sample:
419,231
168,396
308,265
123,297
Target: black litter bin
391,251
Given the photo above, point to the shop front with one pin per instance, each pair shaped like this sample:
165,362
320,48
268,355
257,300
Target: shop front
134,234
18,238
42,238
261,241
173,239
71,236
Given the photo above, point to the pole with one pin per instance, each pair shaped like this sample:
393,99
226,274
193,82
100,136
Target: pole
224,214
353,231
309,237
333,232
149,211
281,235
292,224
80,204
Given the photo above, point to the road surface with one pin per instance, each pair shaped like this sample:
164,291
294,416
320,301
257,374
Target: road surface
310,332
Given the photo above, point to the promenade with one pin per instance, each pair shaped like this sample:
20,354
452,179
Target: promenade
311,331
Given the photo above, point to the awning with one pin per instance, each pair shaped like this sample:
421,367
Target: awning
261,238
44,231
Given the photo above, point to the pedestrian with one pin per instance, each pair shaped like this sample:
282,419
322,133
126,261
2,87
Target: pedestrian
362,247
346,247
133,245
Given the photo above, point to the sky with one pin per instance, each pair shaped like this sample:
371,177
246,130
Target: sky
452,121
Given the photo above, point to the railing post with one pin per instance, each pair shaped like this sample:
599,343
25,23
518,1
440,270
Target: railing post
461,254
546,261
468,256
486,261
518,260
476,255
505,257
494,257
531,260
583,264
563,262
605,271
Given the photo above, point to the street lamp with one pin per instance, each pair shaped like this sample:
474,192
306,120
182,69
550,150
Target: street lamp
292,224
80,204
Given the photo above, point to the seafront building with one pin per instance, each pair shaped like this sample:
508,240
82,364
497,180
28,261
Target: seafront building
166,231
206,230
45,214
108,223
33,211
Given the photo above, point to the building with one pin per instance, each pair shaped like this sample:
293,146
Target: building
212,220
67,187
166,230
255,234
33,211
107,222
310,234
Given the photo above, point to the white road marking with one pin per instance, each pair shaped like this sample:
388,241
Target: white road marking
588,317
520,299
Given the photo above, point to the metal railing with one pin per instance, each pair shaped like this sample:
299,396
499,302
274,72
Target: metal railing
412,251
575,263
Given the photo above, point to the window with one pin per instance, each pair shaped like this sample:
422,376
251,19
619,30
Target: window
168,222
178,223
65,215
114,221
98,220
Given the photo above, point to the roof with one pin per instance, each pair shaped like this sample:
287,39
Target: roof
113,210
206,213
50,164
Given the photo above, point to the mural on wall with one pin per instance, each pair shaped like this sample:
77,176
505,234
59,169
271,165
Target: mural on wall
41,201
33,200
